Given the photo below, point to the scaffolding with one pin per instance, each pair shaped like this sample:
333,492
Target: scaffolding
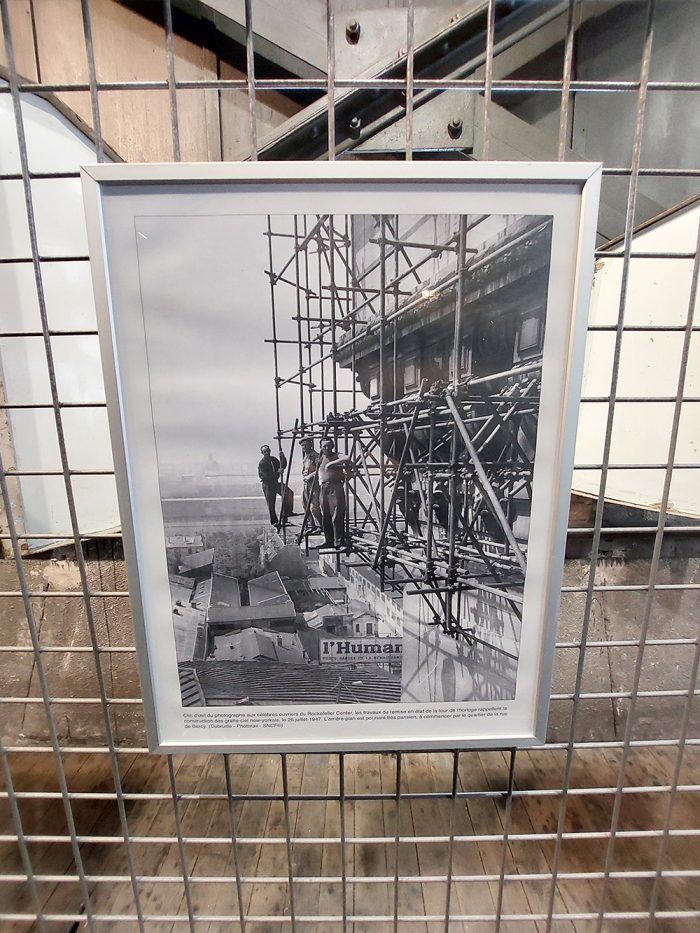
439,497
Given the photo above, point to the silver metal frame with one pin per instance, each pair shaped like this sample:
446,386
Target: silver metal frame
580,181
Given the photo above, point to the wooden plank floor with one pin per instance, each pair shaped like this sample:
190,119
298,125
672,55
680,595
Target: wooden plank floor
370,866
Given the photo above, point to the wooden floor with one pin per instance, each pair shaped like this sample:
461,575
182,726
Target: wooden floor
374,862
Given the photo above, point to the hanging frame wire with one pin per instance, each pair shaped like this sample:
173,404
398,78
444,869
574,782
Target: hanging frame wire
397,840
181,844
563,141
488,78
504,844
172,88
349,879
250,79
410,56
330,76
92,75
449,879
234,842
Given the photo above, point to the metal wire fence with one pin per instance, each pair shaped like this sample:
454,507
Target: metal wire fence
579,834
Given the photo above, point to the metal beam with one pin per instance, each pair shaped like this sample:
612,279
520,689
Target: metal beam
294,42
485,483
398,477
445,54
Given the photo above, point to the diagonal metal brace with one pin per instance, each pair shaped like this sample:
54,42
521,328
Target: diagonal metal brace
399,473
484,482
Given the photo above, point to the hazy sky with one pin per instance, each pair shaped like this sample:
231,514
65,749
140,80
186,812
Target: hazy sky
206,305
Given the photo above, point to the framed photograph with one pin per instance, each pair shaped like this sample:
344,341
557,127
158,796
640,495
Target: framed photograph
343,402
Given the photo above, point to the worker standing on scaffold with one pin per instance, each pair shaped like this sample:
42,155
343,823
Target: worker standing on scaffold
311,490
270,471
331,477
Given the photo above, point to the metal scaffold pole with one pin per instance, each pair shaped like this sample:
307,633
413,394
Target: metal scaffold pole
436,518
382,386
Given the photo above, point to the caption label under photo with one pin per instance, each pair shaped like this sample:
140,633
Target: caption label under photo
278,719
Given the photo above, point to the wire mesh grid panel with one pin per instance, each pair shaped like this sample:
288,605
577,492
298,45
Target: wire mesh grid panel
597,829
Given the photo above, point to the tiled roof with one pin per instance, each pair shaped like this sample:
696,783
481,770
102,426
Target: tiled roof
263,683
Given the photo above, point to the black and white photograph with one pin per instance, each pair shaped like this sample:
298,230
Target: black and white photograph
345,417
343,413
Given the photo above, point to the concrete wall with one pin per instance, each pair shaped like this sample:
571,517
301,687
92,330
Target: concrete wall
615,615
61,621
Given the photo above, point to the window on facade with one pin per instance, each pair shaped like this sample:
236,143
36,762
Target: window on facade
370,628
465,358
374,387
357,628
410,374
530,336
493,346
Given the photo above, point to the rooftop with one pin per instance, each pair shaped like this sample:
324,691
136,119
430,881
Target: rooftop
184,541
327,583
197,560
179,580
225,592
267,590
269,683
187,619
256,643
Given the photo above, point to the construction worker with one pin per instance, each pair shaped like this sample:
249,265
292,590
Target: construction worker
311,492
331,476
269,471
